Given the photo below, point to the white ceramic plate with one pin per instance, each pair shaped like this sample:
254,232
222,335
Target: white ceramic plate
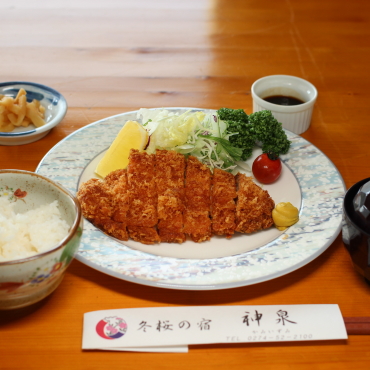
309,180
52,100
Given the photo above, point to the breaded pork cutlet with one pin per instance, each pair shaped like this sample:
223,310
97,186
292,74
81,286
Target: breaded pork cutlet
175,196
170,171
170,214
197,222
169,174
116,183
96,201
254,206
99,205
142,214
223,196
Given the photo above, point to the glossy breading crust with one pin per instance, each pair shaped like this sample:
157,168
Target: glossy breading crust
223,203
103,203
170,171
169,174
197,222
170,214
116,182
254,206
142,213
96,201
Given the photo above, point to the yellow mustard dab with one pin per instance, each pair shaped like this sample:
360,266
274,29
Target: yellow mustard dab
284,215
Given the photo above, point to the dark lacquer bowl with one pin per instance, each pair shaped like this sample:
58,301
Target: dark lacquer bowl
355,237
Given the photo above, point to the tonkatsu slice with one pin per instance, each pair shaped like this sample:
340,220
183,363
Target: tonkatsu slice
169,173
142,197
197,222
223,206
254,206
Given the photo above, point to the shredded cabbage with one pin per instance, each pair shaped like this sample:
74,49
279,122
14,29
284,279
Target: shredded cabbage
198,133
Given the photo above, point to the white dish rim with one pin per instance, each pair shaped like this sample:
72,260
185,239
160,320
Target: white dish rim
329,228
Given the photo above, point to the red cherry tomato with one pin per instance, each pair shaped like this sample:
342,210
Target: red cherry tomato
266,169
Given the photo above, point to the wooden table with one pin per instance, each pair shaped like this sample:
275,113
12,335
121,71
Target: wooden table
112,56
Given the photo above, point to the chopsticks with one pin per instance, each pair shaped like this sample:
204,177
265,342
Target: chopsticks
357,325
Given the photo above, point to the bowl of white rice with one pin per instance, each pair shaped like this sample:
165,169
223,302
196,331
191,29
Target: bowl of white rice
40,232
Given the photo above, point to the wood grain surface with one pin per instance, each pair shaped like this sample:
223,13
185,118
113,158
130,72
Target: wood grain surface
113,56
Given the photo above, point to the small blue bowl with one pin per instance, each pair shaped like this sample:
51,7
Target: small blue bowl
52,100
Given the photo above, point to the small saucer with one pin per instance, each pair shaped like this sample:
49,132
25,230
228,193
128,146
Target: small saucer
52,100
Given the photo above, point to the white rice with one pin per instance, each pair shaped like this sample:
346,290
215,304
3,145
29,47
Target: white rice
26,234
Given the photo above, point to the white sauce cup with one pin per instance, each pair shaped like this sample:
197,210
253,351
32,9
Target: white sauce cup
295,118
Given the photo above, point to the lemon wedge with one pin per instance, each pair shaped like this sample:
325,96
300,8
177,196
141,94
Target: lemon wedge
131,136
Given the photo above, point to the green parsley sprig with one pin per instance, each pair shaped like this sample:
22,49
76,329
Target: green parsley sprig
261,127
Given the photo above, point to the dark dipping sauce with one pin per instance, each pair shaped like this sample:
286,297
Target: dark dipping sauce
283,100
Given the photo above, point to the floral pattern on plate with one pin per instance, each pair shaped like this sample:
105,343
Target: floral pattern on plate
322,190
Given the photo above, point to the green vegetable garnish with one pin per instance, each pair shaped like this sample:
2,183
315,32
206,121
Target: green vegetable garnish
269,131
238,127
257,127
233,151
218,139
